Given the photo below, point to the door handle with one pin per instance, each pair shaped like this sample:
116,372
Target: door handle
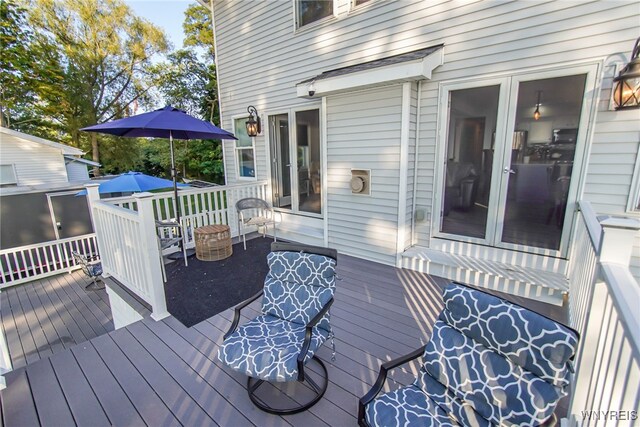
509,170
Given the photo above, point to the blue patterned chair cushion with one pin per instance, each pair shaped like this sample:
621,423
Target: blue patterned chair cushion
458,410
298,286
267,348
94,269
407,406
499,390
531,341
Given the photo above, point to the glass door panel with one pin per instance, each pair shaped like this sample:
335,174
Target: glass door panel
473,115
308,161
541,156
280,161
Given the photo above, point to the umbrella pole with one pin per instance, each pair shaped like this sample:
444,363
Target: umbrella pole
174,177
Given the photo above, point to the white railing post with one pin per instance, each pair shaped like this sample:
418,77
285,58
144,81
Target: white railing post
93,195
617,240
152,259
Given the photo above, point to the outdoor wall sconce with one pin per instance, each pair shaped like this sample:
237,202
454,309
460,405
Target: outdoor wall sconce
536,114
253,124
626,91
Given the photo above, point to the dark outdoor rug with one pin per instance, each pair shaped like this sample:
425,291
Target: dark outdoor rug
206,288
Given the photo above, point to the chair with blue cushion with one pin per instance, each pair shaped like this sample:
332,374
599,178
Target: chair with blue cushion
294,322
92,267
489,362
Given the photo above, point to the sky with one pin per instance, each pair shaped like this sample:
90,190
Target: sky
166,14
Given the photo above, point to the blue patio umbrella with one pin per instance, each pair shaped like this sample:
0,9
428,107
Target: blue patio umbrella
133,182
167,122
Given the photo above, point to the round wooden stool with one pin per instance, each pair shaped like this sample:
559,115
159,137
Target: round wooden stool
213,242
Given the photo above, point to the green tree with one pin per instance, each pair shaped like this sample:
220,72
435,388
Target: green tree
106,56
29,65
187,80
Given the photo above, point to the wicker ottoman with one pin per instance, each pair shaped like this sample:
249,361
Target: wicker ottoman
213,242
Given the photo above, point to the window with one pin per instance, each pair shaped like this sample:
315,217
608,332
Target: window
359,2
296,168
245,153
308,11
7,175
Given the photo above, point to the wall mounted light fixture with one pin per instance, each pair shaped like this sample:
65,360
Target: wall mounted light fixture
536,114
254,127
626,90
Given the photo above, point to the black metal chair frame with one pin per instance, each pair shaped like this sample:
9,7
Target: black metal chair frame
252,383
84,261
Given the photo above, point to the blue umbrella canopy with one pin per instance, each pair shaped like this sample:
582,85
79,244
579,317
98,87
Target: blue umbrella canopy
167,122
134,182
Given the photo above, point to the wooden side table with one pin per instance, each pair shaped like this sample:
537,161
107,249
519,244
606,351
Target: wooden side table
213,242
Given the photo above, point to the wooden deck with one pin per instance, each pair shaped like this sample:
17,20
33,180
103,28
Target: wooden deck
162,373
47,316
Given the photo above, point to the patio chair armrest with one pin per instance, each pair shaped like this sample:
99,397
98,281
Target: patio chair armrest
307,337
382,377
236,314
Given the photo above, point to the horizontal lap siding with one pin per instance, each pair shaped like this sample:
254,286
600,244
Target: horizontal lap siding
35,163
261,58
360,225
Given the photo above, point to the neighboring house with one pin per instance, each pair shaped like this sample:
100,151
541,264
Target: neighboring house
432,134
27,160
38,182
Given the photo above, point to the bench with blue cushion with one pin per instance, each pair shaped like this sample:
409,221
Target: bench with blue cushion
488,362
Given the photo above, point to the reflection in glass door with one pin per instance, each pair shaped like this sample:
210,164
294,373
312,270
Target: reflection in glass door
280,161
469,161
541,157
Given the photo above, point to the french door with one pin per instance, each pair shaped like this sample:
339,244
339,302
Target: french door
296,161
511,150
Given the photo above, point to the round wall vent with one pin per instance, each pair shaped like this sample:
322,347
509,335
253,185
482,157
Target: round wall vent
357,184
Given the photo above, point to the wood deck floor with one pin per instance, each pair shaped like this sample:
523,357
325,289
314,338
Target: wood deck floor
162,373
46,316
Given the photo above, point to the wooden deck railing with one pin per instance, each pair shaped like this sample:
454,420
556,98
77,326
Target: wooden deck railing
31,262
128,239
603,303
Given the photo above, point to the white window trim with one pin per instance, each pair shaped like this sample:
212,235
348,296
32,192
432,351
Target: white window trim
633,201
300,28
15,174
236,155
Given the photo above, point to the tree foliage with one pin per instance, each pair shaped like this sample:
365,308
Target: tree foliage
67,64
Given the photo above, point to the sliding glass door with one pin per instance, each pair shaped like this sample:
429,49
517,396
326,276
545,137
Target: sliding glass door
509,159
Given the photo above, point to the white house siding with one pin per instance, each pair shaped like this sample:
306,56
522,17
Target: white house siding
363,132
34,163
261,57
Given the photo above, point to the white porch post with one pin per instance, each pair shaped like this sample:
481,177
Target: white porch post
149,246
617,240
93,195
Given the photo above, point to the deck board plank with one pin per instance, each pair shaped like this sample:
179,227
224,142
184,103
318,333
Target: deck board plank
150,407
47,292
46,336
183,406
16,353
16,409
29,347
83,402
112,398
48,396
203,393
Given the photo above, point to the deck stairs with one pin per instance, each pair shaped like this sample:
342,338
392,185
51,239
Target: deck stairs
542,281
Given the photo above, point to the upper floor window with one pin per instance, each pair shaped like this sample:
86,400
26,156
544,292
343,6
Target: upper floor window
309,11
7,175
359,2
245,153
